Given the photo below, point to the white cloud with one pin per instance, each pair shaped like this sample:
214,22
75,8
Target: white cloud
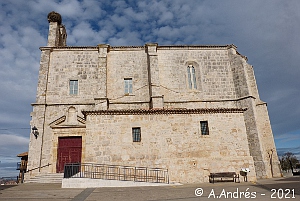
293,150
12,140
10,146
120,21
288,137
8,169
166,17
26,36
82,33
279,94
70,8
136,15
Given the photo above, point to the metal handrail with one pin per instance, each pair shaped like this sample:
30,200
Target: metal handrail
39,167
116,172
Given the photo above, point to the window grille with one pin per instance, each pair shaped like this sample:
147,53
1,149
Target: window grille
204,128
136,134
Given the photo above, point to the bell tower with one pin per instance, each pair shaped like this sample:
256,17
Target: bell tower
57,36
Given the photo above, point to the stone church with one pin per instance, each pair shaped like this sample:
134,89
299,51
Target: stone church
191,109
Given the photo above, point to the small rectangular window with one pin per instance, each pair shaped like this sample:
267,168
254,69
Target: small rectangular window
73,87
204,127
136,134
128,85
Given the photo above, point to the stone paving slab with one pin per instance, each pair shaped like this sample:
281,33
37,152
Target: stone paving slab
38,191
260,190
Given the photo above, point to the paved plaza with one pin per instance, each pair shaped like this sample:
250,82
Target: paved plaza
268,189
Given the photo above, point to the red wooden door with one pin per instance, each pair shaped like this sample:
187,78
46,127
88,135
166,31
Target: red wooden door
68,151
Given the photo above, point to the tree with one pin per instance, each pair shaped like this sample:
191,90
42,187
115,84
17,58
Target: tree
288,159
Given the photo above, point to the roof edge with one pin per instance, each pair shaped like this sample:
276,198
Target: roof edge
142,47
163,111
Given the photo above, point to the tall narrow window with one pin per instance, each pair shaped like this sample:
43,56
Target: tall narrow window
128,85
204,127
191,77
136,134
73,87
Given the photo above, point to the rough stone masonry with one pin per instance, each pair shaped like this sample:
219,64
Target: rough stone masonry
191,109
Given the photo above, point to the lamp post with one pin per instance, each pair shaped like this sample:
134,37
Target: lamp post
35,132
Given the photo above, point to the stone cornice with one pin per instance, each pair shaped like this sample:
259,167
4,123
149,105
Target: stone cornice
164,111
142,102
192,47
54,104
61,48
67,126
159,47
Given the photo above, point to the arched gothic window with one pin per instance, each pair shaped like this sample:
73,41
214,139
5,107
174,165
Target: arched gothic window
191,77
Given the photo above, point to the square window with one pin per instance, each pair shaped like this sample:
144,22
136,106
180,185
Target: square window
204,127
136,134
128,85
73,87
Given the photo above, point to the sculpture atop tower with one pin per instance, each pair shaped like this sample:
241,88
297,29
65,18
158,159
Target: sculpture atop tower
57,36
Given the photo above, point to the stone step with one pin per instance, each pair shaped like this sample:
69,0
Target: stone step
46,178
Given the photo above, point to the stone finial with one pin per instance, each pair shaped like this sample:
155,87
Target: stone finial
232,46
151,48
54,17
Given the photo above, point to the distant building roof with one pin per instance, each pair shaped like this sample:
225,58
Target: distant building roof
23,154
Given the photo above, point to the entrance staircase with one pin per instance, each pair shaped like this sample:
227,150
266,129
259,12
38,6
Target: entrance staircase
46,178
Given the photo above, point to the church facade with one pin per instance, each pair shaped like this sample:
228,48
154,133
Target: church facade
191,109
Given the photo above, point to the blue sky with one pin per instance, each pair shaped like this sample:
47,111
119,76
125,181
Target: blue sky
267,32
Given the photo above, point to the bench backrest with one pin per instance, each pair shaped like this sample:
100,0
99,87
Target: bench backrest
223,174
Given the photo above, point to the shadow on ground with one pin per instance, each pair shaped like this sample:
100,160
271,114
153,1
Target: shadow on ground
286,184
3,187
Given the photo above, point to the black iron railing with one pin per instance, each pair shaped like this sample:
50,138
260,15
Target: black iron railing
116,172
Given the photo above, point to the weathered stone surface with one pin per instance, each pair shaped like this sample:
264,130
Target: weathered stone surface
159,81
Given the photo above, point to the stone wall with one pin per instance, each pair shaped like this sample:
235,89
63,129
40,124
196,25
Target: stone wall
127,63
260,137
79,64
103,76
213,74
270,156
171,141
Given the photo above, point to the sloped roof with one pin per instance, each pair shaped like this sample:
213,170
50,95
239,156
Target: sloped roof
23,154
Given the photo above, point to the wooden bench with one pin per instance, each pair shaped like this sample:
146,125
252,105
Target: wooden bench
235,177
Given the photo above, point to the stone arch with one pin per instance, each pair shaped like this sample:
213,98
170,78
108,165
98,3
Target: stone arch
196,66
